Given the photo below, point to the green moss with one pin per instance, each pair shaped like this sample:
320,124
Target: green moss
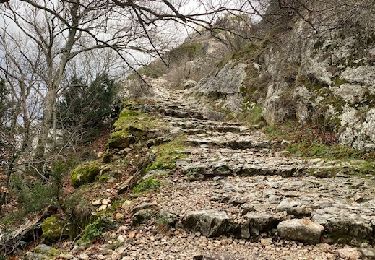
49,252
339,81
305,149
53,229
119,139
85,173
167,154
130,127
249,51
327,101
147,185
95,229
136,119
253,114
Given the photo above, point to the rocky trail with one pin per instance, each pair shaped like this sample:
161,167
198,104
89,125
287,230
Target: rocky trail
236,195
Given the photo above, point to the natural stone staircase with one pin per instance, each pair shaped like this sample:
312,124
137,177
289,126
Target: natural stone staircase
251,190
237,195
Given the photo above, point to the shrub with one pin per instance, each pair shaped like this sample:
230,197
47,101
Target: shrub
34,195
86,107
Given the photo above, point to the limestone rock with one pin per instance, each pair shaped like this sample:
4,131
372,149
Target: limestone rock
303,230
349,253
342,224
293,207
210,223
258,223
189,84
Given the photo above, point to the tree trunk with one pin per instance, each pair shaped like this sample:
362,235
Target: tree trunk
46,123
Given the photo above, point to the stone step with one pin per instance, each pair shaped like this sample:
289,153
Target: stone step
308,210
168,110
236,142
257,164
207,126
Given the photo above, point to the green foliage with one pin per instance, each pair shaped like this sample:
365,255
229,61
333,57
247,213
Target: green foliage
167,154
34,195
339,81
135,119
309,141
85,173
53,229
252,114
46,252
95,229
305,149
248,52
78,208
87,106
367,166
152,71
147,185
188,51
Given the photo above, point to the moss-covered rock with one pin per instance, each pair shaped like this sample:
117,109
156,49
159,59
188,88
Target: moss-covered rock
53,228
132,127
147,185
85,173
120,139
42,252
167,154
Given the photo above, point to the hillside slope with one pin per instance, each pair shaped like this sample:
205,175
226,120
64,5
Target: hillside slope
238,149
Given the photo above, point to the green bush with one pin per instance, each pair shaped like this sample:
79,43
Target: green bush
186,51
87,106
34,195
85,173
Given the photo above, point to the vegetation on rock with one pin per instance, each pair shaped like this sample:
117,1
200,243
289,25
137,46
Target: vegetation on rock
148,184
95,229
54,229
85,173
167,154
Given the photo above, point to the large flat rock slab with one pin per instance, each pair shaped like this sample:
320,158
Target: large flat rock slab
258,204
207,162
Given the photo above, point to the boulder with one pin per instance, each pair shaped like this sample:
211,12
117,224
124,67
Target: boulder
294,207
210,223
342,225
303,230
85,173
53,229
257,223
189,84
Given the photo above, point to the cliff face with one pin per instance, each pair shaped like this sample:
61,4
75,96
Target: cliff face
313,64
324,70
